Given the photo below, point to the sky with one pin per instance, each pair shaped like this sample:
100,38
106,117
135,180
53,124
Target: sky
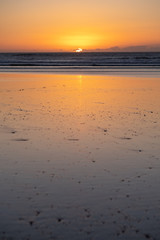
64,25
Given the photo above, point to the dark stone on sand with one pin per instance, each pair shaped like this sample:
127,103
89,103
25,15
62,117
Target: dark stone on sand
13,132
125,138
31,223
59,219
37,213
147,236
73,139
21,139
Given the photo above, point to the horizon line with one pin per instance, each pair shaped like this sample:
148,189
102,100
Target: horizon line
84,51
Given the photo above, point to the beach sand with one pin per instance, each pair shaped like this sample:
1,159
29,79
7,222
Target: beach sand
79,156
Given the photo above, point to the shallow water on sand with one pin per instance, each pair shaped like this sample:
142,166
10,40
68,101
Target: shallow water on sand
79,156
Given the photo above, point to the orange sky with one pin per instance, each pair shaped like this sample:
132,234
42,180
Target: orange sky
54,25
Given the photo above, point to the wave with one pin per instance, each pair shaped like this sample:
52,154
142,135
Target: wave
80,59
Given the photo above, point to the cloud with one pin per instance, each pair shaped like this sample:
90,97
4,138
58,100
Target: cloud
138,48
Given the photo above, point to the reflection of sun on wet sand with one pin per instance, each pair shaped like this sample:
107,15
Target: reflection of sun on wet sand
79,156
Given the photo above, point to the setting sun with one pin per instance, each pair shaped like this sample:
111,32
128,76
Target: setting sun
79,50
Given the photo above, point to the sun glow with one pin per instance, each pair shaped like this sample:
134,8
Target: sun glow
58,26
79,50
85,41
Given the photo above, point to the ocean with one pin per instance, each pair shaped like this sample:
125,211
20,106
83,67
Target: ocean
83,59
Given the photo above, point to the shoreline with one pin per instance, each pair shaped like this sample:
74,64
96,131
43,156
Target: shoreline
85,70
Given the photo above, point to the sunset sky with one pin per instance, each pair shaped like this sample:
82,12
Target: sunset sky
64,25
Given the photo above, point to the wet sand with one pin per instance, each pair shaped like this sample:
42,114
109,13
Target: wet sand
79,156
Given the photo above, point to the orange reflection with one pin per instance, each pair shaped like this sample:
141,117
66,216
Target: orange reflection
95,111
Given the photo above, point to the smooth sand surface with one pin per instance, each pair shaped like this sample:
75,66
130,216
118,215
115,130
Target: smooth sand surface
79,157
